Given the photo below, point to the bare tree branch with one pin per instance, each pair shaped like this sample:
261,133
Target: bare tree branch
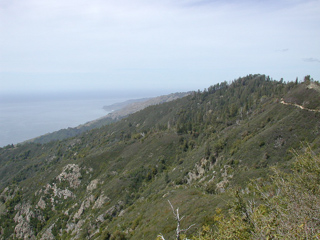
177,217
184,230
161,236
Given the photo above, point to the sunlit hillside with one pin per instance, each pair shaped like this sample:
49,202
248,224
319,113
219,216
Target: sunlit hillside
239,160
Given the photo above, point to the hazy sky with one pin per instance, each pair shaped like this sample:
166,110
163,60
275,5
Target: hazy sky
174,45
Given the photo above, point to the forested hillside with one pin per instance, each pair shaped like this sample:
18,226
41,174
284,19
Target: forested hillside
233,158
117,112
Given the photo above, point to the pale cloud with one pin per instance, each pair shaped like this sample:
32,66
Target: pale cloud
283,50
311,60
185,43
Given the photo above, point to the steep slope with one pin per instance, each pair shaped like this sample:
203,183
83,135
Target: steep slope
119,110
115,181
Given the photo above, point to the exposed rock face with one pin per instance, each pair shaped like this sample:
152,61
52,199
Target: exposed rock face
93,185
100,201
25,213
23,230
71,173
65,193
122,212
41,204
100,218
57,192
200,170
47,235
114,210
223,184
75,228
84,205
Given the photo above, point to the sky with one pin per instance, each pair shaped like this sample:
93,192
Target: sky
167,46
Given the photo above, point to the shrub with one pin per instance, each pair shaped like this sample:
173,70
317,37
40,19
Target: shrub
288,208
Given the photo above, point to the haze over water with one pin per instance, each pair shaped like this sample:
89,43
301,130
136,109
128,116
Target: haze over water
28,117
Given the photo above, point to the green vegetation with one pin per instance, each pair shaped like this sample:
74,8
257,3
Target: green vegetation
286,206
220,155
119,111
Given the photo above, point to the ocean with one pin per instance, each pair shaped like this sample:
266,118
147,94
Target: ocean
23,118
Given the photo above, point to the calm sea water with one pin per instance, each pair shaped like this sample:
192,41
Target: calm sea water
26,118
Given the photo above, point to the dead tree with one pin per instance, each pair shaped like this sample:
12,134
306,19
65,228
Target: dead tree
178,219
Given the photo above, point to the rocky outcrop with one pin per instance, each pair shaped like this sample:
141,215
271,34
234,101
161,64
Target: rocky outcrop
41,204
71,173
47,235
221,186
199,170
84,205
57,192
75,228
100,201
114,210
92,185
23,230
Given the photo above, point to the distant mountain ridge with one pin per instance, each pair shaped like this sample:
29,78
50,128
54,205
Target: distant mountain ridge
117,106
119,110
132,106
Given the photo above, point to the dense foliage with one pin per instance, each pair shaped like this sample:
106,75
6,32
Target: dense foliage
114,182
287,206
